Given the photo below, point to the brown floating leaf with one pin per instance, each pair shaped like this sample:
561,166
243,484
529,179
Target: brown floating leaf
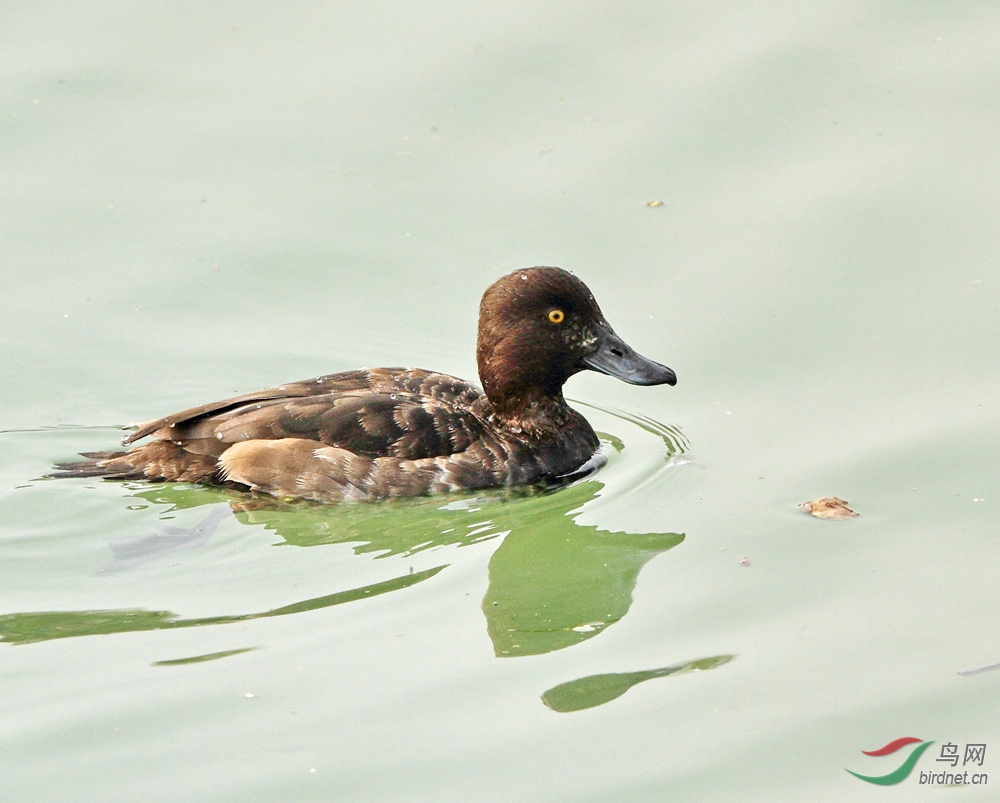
829,507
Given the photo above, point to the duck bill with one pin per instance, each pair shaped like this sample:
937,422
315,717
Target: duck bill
614,357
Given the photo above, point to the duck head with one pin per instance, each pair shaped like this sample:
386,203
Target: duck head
538,327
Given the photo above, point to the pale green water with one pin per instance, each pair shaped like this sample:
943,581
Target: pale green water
203,201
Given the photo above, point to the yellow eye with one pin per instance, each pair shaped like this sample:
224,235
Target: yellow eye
557,316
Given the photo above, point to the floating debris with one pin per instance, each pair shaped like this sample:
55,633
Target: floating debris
744,561
829,507
654,203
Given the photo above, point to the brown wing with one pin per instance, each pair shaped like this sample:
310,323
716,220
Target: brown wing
332,383
405,413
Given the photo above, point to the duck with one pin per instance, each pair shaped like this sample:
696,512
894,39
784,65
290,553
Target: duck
379,433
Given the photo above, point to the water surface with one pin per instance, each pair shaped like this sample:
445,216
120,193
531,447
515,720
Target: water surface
203,201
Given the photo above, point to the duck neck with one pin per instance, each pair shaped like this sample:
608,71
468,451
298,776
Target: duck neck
522,384
527,410
525,403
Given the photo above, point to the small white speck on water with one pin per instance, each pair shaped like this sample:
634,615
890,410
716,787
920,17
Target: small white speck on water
744,561
249,694
589,627
312,769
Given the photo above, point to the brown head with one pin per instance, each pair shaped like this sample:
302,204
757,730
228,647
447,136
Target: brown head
538,327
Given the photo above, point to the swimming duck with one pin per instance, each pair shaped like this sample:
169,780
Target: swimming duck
391,432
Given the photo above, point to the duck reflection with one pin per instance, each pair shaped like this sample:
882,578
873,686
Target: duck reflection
552,581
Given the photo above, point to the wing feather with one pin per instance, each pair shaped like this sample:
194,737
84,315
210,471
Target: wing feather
403,413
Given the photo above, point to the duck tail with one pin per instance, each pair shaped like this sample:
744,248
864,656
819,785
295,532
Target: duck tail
109,465
157,461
